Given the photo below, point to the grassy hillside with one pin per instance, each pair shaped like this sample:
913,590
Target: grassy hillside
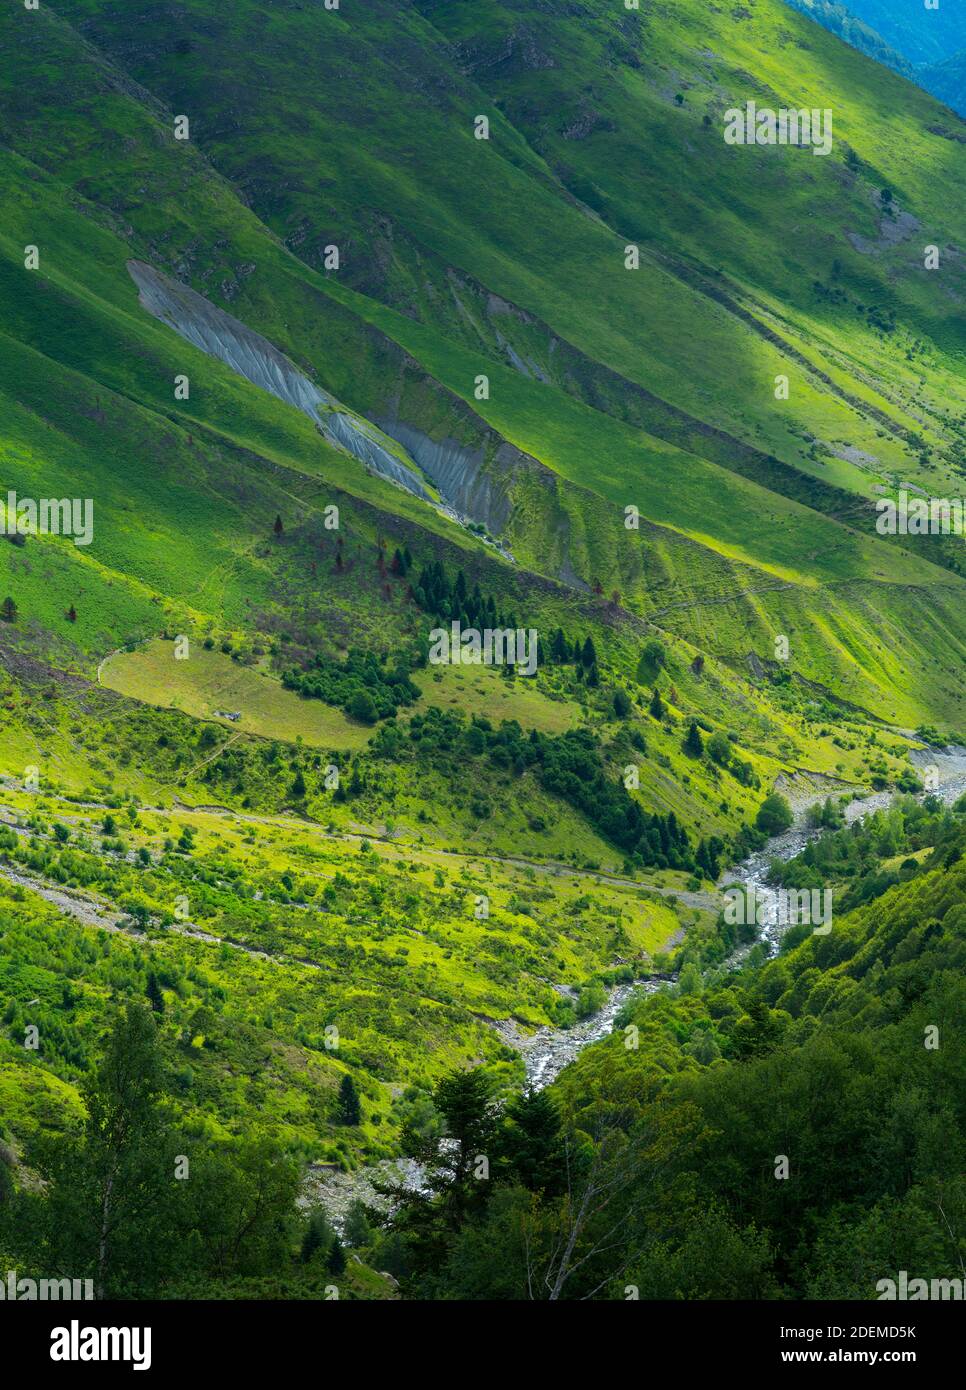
334,371
656,407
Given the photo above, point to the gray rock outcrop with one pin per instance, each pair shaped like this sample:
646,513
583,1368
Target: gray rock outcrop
246,352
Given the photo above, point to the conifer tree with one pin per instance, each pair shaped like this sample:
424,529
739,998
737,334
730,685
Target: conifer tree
693,744
531,1143
154,993
348,1109
319,1236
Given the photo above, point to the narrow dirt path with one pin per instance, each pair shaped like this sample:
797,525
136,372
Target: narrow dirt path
95,912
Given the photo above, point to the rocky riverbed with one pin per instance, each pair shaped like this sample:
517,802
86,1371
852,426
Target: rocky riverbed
547,1050
947,766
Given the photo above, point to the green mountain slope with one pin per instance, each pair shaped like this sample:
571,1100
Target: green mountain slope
333,370
924,37
483,239
929,52
840,20
947,81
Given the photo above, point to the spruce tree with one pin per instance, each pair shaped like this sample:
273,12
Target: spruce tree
154,993
693,745
463,1100
357,1228
531,1143
657,705
348,1109
319,1237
